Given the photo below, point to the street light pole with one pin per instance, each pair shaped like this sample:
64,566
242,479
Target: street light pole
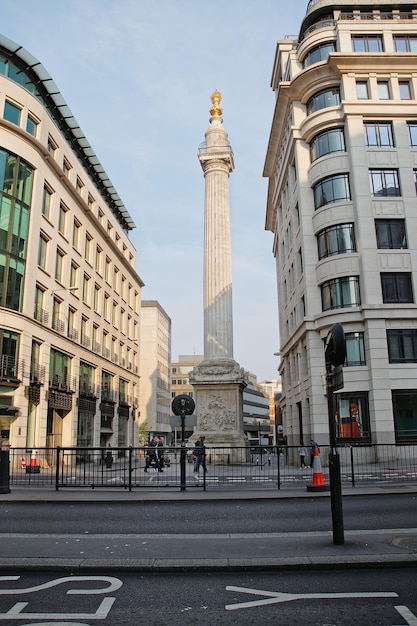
335,353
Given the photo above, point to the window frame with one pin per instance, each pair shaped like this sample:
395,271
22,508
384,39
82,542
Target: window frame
368,40
335,291
317,102
391,236
382,174
332,234
395,282
377,127
321,190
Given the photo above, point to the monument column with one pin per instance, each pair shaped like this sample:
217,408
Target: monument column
218,380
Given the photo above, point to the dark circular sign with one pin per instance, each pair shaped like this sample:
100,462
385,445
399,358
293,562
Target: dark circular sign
183,405
335,346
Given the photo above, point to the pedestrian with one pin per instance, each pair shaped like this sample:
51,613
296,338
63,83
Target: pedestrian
161,451
199,456
302,453
153,457
313,445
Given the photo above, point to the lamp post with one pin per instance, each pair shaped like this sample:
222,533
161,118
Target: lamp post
183,405
335,353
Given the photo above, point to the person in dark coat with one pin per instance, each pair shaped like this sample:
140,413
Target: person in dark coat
153,456
199,456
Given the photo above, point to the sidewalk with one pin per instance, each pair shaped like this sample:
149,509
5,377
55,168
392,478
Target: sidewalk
204,552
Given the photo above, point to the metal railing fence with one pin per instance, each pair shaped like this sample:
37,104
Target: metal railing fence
260,467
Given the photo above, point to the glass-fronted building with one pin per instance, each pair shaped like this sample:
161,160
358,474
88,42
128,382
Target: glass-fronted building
70,295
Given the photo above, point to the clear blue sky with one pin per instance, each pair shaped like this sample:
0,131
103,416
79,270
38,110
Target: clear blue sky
138,75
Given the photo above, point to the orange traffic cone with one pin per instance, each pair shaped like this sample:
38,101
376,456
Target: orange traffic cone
33,467
318,482
23,462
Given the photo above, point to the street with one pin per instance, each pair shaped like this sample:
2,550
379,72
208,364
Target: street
207,516
338,598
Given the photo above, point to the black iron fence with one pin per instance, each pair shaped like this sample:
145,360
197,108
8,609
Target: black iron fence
259,467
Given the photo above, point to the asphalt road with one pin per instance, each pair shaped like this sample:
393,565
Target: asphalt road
337,598
287,515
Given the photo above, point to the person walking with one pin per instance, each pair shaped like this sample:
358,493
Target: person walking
313,445
302,454
199,456
153,456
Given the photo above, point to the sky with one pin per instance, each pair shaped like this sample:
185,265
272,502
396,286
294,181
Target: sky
138,76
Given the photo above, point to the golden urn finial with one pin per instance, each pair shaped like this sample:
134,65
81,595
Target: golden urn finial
216,97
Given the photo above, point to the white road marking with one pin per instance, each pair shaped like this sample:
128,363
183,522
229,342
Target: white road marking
16,612
276,597
409,617
114,584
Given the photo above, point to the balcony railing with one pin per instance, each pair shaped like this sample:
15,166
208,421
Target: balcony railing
63,382
10,367
58,324
73,333
37,374
40,315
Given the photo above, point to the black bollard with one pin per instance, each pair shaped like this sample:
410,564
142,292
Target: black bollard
4,469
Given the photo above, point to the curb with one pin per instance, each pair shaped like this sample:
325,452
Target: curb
193,565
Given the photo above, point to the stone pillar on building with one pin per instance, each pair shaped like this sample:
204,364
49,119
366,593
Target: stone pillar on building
218,380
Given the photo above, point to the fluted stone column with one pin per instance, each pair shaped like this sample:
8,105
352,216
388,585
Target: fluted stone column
218,381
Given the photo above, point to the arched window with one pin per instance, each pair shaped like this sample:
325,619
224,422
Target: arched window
319,53
323,99
337,239
331,189
330,141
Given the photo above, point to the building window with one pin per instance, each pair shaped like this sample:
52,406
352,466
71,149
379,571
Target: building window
72,330
352,415
11,113
405,43
46,201
99,257
107,270
42,250
76,234
362,92
384,183
404,404
355,350
97,292
87,247
327,142
73,274
86,289
390,234
59,261
383,90
402,345
51,146
328,98
62,220
340,293
319,53
31,125
396,287
405,89
338,239
79,185
331,189
66,168
367,43
378,134
412,133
